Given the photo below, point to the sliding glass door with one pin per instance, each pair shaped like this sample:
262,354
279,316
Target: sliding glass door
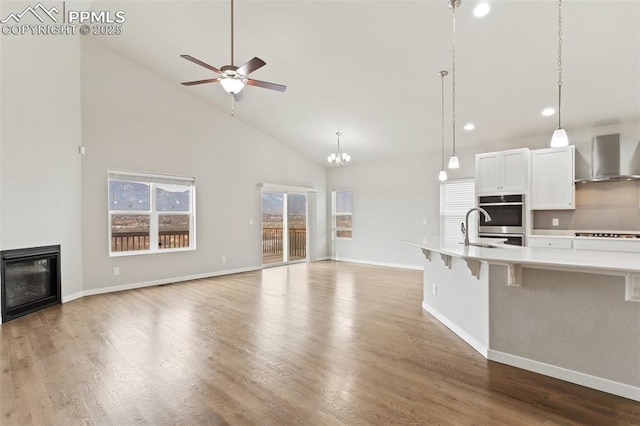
272,227
284,227
297,226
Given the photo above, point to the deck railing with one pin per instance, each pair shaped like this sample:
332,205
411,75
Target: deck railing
272,242
133,241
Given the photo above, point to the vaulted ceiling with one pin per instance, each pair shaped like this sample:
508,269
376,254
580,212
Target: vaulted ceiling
370,68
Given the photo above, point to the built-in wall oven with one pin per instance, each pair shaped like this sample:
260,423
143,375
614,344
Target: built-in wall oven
507,218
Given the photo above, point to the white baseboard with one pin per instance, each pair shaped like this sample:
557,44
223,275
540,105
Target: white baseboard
72,296
132,286
111,289
122,287
571,376
374,263
472,341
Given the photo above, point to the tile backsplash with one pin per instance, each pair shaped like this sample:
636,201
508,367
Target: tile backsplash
613,206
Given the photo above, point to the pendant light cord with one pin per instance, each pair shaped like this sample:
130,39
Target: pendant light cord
453,76
559,62
442,75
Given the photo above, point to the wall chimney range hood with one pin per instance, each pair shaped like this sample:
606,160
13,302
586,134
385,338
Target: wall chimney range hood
611,160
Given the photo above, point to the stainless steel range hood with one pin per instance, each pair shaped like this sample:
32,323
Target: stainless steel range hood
611,160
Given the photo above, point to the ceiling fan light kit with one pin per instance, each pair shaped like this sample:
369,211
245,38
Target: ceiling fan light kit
233,78
232,85
559,137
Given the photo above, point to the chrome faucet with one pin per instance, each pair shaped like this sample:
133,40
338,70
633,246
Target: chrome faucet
465,225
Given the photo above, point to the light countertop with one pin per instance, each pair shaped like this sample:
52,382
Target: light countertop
537,257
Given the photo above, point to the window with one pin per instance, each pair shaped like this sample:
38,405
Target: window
150,213
457,196
342,206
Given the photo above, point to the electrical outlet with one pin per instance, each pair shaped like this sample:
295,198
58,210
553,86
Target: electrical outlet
555,222
116,270
435,289
250,222
223,259
424,221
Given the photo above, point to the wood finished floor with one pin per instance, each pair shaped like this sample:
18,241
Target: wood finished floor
309,344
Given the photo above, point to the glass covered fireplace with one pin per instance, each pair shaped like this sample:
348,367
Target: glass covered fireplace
30,280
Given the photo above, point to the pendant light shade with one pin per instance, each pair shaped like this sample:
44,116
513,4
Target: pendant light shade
454,163
442,176
559,137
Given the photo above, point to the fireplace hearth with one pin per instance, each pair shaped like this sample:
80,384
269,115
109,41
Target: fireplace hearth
30,280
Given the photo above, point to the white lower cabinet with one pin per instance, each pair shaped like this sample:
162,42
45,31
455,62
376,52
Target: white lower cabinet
607,244
584,243
565,243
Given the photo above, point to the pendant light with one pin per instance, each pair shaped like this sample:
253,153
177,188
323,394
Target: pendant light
559,137
339,158
442,176
454,163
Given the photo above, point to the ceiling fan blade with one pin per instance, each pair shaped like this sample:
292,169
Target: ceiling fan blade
239,97
202,64
266,85
192,83
251,66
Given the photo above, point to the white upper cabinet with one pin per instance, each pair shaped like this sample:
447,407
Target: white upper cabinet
552,178
503,172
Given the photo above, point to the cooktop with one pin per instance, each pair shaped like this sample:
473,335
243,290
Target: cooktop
607,234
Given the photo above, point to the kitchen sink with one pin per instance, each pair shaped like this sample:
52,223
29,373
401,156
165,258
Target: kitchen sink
482,245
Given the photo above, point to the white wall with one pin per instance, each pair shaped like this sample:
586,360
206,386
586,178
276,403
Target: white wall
134,120
40,131
390,200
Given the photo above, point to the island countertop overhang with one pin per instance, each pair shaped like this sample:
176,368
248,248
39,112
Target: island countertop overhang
537,257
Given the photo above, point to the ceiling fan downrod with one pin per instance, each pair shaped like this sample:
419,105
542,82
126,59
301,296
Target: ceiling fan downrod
232,33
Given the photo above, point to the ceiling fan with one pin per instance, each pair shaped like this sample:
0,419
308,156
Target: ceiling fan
233,78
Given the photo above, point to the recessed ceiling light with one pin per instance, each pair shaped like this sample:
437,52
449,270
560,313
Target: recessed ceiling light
482,9
548,112
469,127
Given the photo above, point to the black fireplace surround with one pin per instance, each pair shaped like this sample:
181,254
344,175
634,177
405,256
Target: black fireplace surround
30,280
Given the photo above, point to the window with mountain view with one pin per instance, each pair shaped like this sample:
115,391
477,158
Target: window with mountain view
342,207
150,213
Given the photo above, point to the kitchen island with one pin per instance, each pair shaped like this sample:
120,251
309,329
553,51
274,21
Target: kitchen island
569,314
